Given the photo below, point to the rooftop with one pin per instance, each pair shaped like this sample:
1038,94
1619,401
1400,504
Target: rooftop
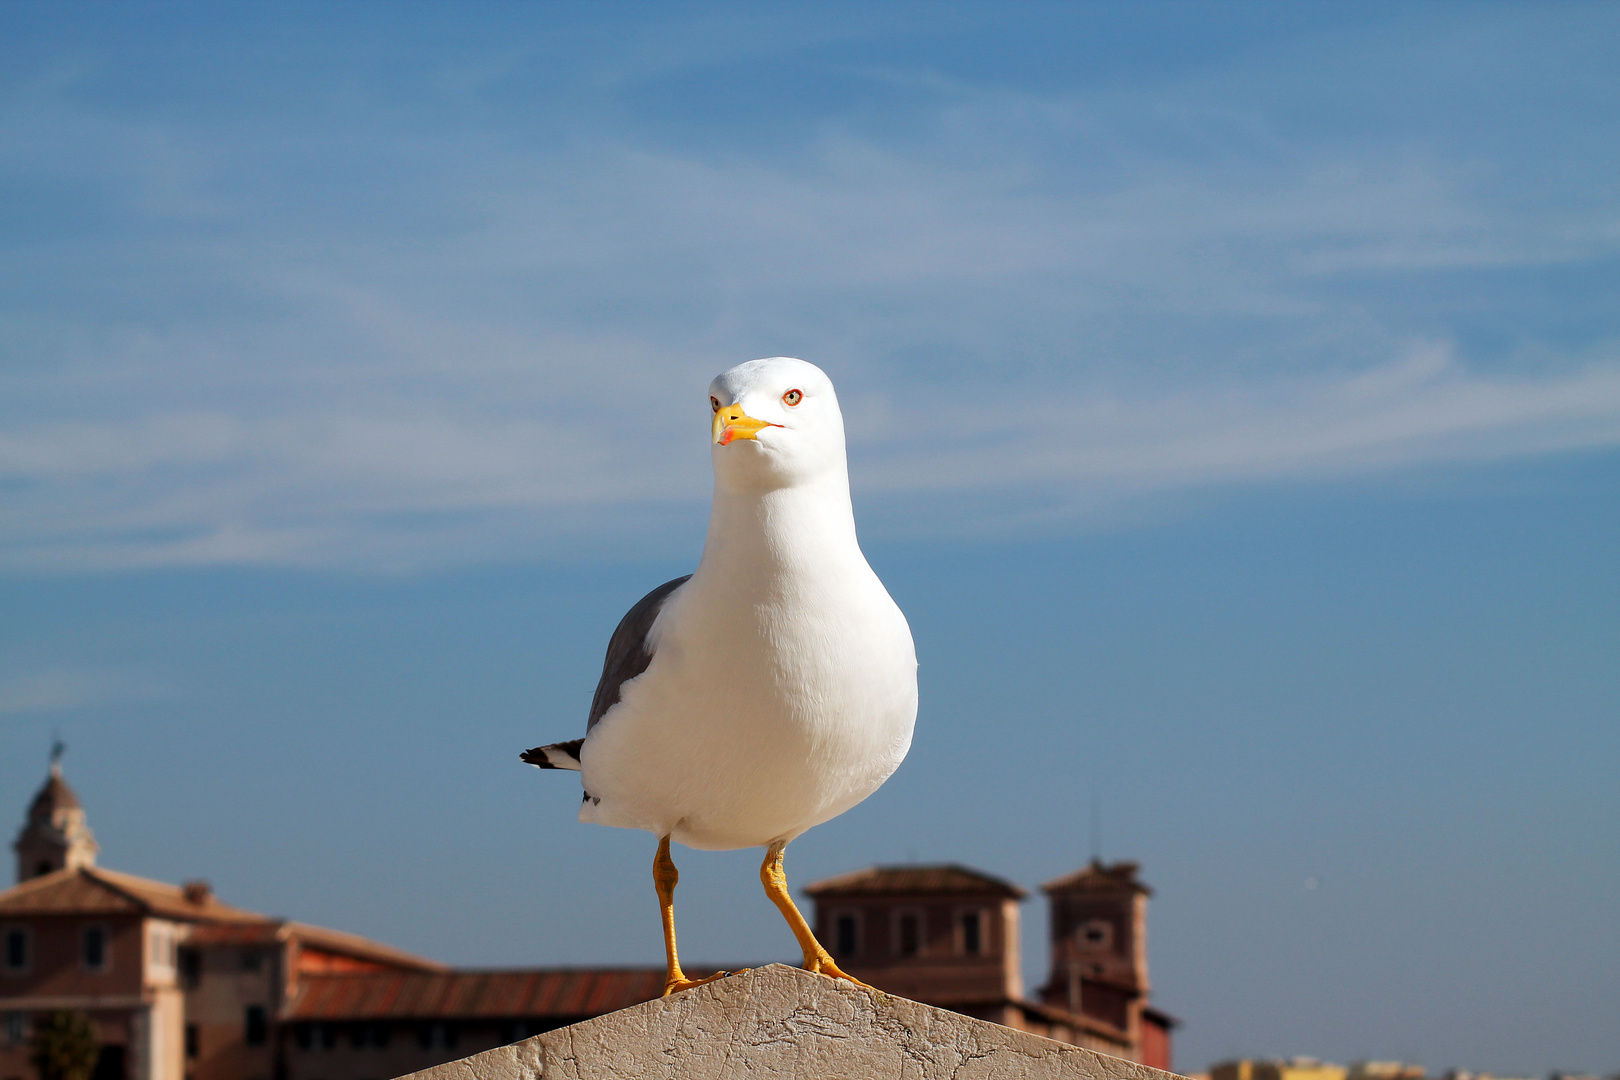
942,878
1099,877
402,995
93,890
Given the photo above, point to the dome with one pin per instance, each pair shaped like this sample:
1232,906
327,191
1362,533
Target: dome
54,796
55,836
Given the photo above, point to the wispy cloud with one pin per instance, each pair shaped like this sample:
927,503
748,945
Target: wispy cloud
335,332
64,690
1422,409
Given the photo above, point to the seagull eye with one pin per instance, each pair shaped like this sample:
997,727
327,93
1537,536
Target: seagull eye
792,397
714,403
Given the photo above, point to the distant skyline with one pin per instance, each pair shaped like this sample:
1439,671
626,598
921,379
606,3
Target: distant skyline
1233,395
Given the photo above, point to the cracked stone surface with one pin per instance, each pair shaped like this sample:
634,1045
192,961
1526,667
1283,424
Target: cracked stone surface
779,1021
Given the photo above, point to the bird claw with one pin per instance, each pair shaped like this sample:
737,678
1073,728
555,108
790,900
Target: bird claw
823,965
675,986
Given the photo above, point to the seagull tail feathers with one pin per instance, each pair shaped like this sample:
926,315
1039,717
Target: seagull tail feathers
563,755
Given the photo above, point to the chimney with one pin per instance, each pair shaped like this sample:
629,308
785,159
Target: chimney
198,892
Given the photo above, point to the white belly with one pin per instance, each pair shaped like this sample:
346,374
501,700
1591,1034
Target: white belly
756,720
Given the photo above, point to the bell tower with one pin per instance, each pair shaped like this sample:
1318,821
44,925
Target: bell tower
1099,944
55,836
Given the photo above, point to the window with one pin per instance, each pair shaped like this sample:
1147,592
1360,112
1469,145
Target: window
255,1025
252,960
16,1027
193,1041
19,948
163,949
93,947
908,933
1095,935
971,924
847,935
190,964
438,1035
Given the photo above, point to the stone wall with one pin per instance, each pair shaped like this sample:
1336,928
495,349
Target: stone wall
780,1022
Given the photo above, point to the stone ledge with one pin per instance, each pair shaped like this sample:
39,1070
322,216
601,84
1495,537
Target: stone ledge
779,1021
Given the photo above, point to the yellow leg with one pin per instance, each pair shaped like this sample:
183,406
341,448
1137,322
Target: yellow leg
774,879
665,878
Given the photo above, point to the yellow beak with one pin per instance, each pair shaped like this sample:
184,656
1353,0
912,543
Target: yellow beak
732,423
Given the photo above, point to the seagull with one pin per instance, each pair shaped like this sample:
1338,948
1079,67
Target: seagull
772,688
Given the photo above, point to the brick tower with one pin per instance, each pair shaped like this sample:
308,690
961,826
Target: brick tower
1099,952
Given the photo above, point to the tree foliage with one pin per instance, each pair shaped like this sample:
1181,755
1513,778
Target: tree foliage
64,1046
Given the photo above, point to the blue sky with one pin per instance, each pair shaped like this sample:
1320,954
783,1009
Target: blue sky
1234,401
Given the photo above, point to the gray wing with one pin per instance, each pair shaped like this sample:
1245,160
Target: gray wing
628,655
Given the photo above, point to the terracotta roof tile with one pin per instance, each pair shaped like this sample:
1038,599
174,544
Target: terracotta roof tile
400,995
1098,877
267,932
319,937
273,931
945,878
93,890
1089,1024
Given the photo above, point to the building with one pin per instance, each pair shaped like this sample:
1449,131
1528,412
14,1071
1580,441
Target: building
182,986
948,936
1099,963
1297,1068
1385,1070
178,984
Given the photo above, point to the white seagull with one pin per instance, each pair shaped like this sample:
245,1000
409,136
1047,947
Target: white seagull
773,688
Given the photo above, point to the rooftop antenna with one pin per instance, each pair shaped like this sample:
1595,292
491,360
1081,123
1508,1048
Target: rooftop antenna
1096,829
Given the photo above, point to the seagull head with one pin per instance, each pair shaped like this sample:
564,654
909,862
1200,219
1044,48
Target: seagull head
775,423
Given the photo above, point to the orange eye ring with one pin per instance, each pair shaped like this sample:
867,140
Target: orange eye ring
792,397
714,403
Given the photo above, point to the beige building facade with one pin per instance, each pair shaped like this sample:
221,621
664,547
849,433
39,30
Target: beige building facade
179,985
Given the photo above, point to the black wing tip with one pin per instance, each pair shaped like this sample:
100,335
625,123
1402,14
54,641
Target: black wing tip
555,755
